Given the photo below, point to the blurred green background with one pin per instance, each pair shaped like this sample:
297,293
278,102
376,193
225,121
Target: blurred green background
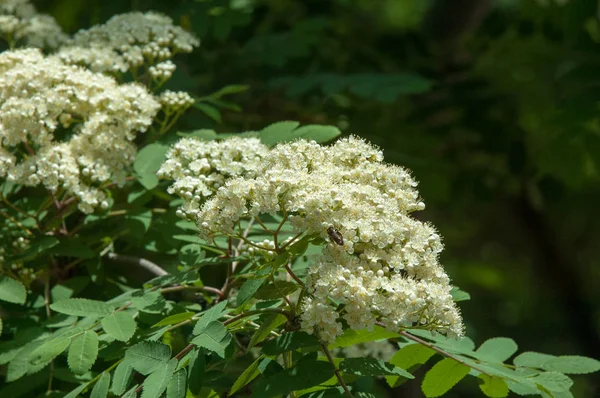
492,104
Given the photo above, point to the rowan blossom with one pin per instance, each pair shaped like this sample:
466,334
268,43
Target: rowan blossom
67,128
130,41
20,23
385,268
201,167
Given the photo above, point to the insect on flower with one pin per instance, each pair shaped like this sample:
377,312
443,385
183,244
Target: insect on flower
335,236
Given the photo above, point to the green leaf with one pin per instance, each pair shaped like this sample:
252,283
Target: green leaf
248,289
497,349
553,381
178,385
100,390
82,307
231,89
269,324
209,111
121,378
147,162
151,302
196,373
119,325
572,364
215,337
49,350
139,222
211,315
83,352
191,254
493,387
173,319
276,289
409,358
277,132
532,359
246,377
371,367
203,134
351,337
12,290
308,372
159,379
290,341
317,132
459,295
522,388
147,356
76,391
443,376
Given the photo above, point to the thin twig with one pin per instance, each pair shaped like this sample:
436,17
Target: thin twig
207,289
337,371
142,262
291,241
289,270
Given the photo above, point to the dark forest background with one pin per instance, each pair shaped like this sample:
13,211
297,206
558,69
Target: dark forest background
492,104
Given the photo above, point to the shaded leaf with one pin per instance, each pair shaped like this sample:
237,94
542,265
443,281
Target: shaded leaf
178,385
121,378
246,377
83,352
269,324
211,315
147,356
308,372
49,350
173,319
156,383
209,111
215,337
82,307
100,389
248,290
371,367
119,325
290,341
12,290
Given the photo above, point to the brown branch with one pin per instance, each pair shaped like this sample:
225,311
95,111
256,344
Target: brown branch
142,262
336,370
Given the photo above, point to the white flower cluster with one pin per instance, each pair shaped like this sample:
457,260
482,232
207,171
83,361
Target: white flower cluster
381,349
201,167
382,265
20,22
128,41
175,101
66,127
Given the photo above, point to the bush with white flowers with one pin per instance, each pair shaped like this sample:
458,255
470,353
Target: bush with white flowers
138,258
